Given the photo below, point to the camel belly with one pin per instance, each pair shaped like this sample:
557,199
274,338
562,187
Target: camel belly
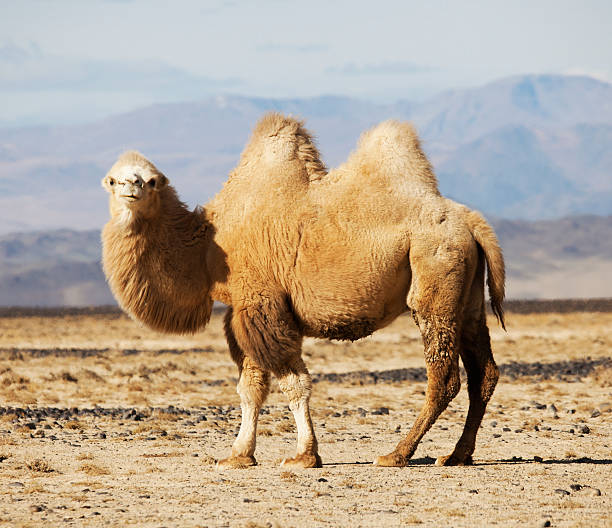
350,307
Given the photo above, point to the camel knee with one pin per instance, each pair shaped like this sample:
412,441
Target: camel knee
295,382
451,385
253,385
489,381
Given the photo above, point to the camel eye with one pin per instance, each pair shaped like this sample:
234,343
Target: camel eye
151,183
111,182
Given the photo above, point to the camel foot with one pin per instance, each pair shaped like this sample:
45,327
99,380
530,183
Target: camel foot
453,460
236,462
303,461
391,460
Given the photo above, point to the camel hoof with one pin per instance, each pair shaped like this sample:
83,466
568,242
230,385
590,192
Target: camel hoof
391,460
236,462
303,461
452,460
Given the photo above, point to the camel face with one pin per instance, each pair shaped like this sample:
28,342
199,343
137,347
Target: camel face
133,183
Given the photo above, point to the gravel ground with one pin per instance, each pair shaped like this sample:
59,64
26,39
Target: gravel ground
101,431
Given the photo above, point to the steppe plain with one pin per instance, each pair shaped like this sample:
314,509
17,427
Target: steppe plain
105,423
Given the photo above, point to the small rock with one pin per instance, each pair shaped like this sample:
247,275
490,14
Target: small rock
584,429
571,431
496,435
37,508
562,492
102,435
593,492
518,430
16,485
493,423
595,413
506,429
575,487
537,405
538,459
398,428
546,523
473,491
195,455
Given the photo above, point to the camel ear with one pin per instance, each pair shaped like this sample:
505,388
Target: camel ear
157,182
108,182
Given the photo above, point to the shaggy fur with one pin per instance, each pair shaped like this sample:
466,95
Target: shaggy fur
154,254
296,251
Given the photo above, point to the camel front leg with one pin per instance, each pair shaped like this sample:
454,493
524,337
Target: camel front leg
268,334
253,387
296,383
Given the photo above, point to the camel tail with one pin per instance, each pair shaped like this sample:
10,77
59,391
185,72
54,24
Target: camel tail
496,273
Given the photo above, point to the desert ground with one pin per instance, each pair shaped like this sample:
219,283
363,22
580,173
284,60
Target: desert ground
105,423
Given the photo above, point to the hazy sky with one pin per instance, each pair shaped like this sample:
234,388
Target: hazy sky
67,61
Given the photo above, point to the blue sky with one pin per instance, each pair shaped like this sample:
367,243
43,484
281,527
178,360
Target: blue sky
71,61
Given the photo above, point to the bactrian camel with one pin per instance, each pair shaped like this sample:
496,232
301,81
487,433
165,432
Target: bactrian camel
296,251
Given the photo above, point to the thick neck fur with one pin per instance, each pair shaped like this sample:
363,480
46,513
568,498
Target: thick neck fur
155,263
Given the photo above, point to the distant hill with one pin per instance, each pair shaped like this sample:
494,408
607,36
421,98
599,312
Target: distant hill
528,147
566,258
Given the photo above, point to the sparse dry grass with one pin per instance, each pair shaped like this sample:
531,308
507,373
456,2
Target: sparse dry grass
93,469
38,465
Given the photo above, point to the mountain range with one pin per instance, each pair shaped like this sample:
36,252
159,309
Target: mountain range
550,259
527,148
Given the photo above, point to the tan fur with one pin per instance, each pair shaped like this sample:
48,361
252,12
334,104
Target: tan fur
296,251
154,257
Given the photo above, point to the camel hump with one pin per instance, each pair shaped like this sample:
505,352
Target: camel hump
278,138
393,151
496,273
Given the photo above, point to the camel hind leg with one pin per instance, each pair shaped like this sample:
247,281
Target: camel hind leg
482,374
443,383
253,386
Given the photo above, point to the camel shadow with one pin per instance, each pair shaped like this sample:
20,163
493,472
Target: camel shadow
544,461
429,461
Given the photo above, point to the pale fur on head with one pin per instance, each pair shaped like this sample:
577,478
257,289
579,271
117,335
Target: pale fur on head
154,249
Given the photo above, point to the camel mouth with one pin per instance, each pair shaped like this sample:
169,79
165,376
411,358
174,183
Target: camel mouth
129,197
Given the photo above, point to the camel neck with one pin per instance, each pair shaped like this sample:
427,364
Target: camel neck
156,266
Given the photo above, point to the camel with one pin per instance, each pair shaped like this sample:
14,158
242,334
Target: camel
296,250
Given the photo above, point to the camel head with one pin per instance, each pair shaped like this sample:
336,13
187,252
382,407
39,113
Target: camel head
133,183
